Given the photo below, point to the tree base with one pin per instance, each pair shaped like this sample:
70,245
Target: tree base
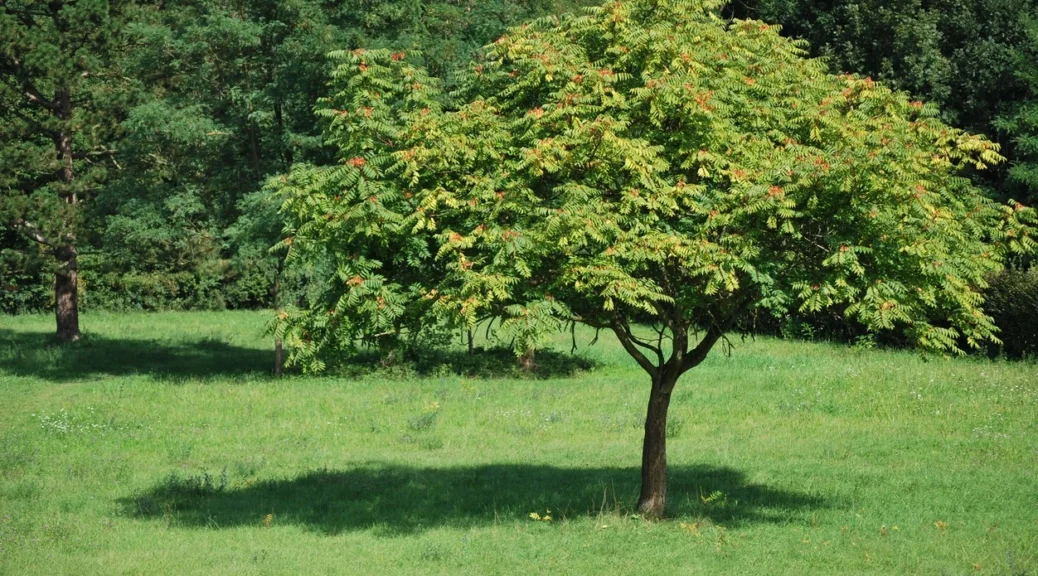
652,508
526,361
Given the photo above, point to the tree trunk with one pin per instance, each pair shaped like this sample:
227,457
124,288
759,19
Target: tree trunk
653,499
526,361
278,346
254,145
66,294
279,121
66,277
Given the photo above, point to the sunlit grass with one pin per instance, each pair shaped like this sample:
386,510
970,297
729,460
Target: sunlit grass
161,445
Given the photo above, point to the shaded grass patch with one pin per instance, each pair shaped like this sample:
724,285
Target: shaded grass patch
404,499
786,458
37,355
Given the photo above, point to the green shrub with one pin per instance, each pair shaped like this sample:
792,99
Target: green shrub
1012,300
25,284
151,290
24,292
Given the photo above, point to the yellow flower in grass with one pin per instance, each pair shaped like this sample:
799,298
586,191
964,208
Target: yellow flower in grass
537,517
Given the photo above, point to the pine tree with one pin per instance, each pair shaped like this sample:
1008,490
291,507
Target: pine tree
57,97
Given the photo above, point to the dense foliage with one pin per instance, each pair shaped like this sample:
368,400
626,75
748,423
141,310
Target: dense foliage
1020,122
1012,300
969,58
974,60
59,90
181,111
647,163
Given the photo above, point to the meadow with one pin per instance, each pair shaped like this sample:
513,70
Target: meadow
161,444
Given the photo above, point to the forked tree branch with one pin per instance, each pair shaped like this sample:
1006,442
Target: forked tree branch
696,356
625,340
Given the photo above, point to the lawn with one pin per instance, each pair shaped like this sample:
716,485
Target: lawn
160,444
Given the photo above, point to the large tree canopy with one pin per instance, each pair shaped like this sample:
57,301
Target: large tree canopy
646,164
180,111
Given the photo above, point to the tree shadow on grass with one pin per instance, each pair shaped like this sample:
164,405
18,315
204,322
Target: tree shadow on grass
395,500
495,362
37,354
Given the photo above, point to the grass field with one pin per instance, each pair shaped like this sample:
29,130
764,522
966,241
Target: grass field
160,445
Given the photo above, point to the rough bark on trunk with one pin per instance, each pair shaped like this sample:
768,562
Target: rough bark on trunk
66,277
653,499
66,294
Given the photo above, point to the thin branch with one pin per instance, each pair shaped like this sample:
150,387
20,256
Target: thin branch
635,353
696,356
37,98
662,334
32,232
641,341
590,322
657,350
26,86
93,153
35,124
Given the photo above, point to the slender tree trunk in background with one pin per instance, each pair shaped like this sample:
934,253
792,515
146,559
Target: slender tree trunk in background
279,121
254,146
470,341
653,499
278,346
526,361
66,276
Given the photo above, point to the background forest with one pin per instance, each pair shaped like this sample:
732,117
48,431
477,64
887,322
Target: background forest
175,114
